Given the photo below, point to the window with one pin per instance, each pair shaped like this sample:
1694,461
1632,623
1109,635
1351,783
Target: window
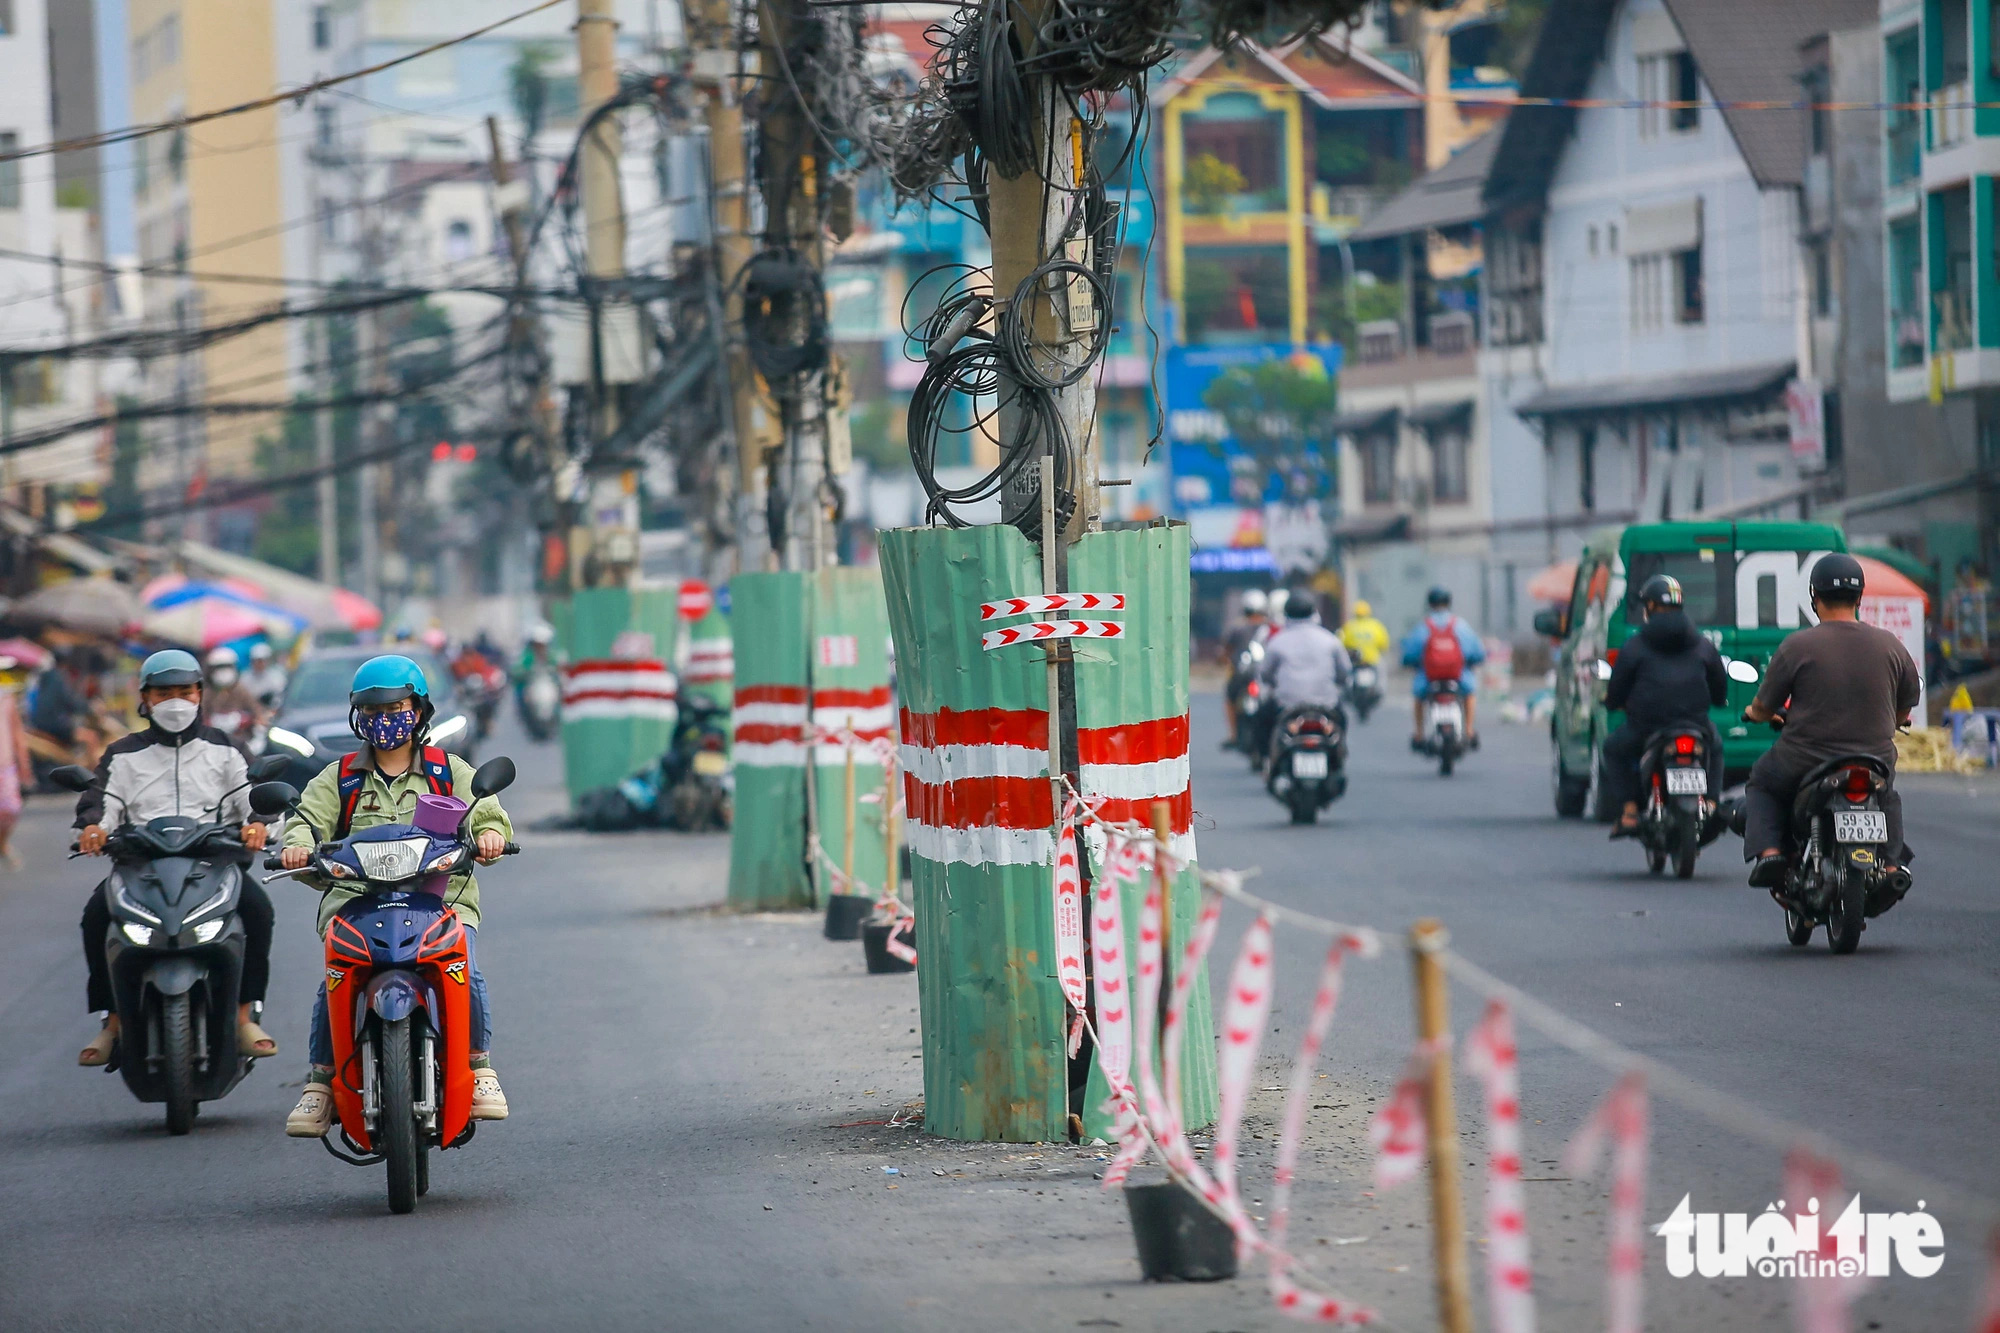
1903,89
326,121
1954,42
1906,271
1707,575
10,171
1449,482
1690,306
1586,468
322,27
6,18
457,241
1611,238
1670,76
1378,466
1685,84
1819,263
1648,301
1815,85
1951,268
1592,234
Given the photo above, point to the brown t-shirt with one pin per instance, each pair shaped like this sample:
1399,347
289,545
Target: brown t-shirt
1849,684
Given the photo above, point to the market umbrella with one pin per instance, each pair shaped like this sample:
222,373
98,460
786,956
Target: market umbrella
322,605
1880,579
208,619
88,606
28,653
1554,583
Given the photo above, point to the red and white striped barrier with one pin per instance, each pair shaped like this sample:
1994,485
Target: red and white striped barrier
1043,631
1820,1300
1115,1023
1042,604
1398,1129
976,786
619,690
710,662
1244,1015
1493,1058
1068,908
770,726
1989,1300
1123,770
1622,1118
857,717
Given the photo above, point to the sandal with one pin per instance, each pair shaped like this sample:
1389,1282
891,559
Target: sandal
99,1051
254,1042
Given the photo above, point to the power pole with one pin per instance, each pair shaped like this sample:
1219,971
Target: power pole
712,34
613,531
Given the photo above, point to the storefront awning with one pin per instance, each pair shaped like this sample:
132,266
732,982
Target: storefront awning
1364,422
1434,416
1696,388
1361,529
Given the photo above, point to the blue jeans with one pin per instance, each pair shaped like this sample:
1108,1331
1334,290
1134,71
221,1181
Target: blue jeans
319,1047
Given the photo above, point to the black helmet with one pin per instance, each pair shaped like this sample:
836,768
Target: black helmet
1837,578
1661,590
1439,597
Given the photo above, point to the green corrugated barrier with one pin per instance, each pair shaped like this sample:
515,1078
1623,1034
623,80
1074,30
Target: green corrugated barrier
850,692
617,710
767,843
711,666
978,827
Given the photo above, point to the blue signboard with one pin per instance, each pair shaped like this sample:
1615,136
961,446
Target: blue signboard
1201,448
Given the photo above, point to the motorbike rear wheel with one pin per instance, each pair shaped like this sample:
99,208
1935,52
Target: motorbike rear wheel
1844,923
1447,753
1685,854
177,1061
1570,793
1305,810
396,1130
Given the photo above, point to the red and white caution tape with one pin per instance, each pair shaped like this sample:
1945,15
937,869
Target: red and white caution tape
1041,631
1045,603
1290,1297
1114,1023
1493,1057
1622,1118
1398,1129
1173,1042
1245,1012
1821,1300
1069,927
1989,1301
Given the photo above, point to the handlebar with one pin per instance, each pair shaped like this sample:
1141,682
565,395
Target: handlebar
278,862
511,849
274,863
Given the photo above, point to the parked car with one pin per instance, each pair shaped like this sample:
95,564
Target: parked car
311,723
1746,590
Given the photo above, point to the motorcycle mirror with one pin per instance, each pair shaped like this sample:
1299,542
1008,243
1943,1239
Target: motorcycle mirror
72,777
495,775
268,768
1603,669
273,798
1741,672
1549,624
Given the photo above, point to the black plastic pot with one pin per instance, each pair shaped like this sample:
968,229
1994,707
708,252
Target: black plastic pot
875,944
844,914
1178,1239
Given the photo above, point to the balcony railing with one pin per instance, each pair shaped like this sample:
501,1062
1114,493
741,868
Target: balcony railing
1951,116
1952,313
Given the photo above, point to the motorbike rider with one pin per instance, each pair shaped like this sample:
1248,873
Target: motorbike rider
1303,664
1253,628
1364,637
174,766
1440,646
227,694
1666,675
266,680
390,708
538,652
1850,686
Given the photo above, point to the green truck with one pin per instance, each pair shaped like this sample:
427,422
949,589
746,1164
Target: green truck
1746,589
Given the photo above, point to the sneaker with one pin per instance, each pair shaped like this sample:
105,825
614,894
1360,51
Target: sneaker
488,1102
313,1116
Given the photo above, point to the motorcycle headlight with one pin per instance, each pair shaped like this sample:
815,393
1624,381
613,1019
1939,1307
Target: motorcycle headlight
291,740
391,861
124,902
447,729
207,931
139,935
221,897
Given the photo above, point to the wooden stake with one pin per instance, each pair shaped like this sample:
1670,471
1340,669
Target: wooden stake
1163,872
847,848
1454,1284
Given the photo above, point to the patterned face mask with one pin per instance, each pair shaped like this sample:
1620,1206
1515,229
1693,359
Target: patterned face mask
387,731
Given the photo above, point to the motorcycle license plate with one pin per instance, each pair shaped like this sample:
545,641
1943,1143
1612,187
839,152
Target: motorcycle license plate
1860,826
1687,782
1308,764
710,764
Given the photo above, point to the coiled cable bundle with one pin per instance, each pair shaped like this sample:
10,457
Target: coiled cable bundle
784,315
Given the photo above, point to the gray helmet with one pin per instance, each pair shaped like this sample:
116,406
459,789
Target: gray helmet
169,666
1661,590
1837,578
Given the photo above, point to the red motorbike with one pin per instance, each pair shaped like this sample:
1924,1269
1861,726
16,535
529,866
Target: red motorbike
398,985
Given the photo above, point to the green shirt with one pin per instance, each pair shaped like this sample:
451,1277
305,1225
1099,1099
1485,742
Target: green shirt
386,800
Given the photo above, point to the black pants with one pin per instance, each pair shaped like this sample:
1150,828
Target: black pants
1624,748
1767,805
253,905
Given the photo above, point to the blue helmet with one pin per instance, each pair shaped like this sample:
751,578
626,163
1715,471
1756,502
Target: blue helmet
169,666
384,680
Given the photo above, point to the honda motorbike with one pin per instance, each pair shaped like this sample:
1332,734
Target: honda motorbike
1444,725
539,702
175,952
398,983
695,779
1364,692
1839,837
1677,818
1308,765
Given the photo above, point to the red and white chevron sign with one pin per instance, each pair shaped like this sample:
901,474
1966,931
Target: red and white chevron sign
1036,631
1042,604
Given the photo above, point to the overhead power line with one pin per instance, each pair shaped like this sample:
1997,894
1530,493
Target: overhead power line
298,94
167,341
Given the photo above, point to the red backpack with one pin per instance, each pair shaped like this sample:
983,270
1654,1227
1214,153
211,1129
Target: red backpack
1444,655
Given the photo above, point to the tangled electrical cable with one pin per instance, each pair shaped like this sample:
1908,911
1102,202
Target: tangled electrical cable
784,316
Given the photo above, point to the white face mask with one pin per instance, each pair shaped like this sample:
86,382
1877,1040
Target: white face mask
175,715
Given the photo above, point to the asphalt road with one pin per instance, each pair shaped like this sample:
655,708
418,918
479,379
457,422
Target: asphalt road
699,1136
